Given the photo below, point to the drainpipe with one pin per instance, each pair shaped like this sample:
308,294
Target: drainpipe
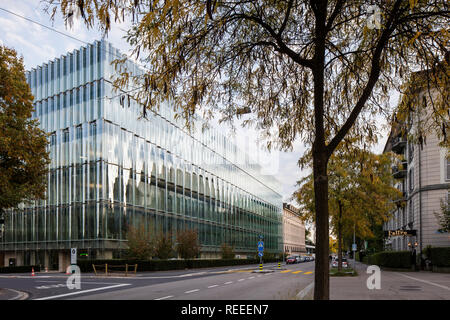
420,203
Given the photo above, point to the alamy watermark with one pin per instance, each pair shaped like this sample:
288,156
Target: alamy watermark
74,281
374,281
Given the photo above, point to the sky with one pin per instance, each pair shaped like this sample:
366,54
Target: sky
37,45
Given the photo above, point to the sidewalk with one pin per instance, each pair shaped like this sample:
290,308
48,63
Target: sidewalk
394,286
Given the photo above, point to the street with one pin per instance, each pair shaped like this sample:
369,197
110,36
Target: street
225,283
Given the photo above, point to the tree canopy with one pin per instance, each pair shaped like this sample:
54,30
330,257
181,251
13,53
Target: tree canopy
23,156
361,193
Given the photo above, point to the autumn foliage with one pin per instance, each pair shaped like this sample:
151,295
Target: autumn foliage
23,156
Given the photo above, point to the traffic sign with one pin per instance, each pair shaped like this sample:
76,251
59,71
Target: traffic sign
73,256
260,246
354,247
260,254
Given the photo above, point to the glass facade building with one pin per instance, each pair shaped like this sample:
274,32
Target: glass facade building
112,168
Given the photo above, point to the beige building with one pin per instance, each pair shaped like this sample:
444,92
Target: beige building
293,231
424,178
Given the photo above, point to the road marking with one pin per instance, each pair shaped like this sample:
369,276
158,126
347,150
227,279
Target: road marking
84,282
20,295
52,286
83,291
229,282
251,278
425,281
295,272
241,279
285,271
309,272
213,286
307,290
166,297
190,291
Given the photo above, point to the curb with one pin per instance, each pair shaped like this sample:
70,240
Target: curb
307,293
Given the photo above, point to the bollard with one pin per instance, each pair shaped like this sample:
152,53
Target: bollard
279,265
260,267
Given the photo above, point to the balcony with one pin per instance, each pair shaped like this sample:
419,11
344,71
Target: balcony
401,202
400,171
398,144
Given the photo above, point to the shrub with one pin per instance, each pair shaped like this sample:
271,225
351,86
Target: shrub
19,269
188,246
140,244
440,256
164,246
227,252
391,259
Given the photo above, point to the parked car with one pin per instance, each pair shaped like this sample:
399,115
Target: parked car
291,260
300,259
308,258
335,263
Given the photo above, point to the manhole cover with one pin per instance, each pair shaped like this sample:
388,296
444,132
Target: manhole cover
410,288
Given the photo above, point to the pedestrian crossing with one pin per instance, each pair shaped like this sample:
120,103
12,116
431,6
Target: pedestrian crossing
296,272
288,271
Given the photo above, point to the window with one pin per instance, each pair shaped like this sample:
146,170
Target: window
411,179
447,176
410,151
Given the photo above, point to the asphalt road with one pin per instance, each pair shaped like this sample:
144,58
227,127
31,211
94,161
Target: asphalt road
225,283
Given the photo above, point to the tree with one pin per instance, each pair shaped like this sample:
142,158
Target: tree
24,158
444,216
361,194
141,246
164,246
281,62
188,246
227,251
333,245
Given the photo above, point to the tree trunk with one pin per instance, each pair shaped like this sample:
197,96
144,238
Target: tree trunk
320,159
321,278
340,238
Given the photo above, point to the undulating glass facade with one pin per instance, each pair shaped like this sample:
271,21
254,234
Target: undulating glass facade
112,168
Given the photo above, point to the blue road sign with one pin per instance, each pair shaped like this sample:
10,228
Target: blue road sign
260,246
260,253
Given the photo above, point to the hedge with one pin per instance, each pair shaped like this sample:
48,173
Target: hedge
19,269
164,265
391,259
440,257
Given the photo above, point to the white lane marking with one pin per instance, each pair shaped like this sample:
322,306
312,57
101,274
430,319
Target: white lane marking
20,295
228,282
251,278
85,282
241,279
425,281
213,286
166,297
83,291
190,291
52,286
